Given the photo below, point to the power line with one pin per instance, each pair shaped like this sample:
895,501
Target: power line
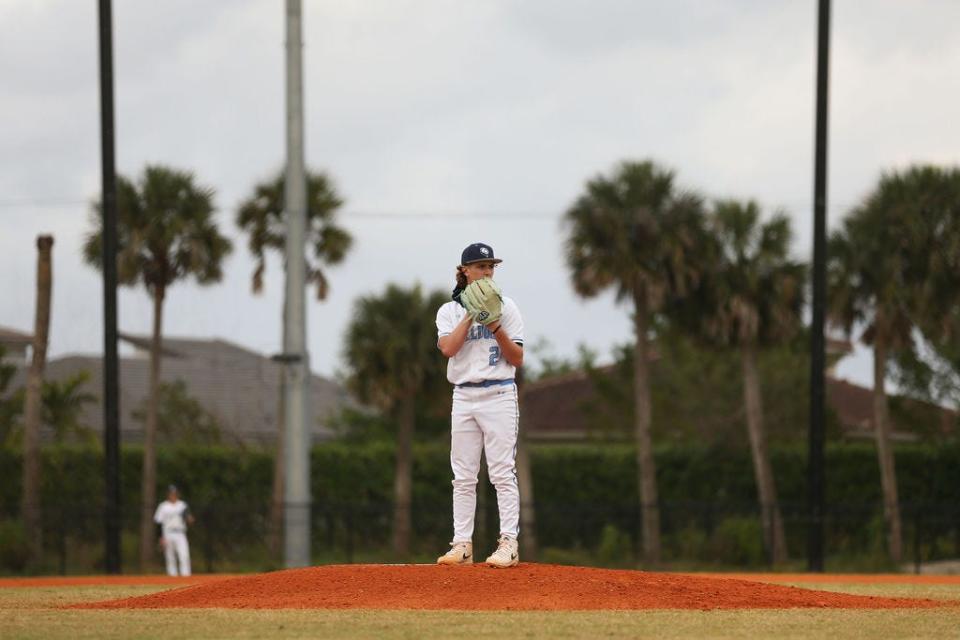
451,214
40,203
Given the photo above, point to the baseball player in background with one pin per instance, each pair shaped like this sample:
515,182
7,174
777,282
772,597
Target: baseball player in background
481,332
172,517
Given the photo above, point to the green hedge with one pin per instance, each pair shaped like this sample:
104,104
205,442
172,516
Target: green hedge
601,475
580,491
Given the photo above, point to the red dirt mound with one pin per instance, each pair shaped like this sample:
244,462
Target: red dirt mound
478,587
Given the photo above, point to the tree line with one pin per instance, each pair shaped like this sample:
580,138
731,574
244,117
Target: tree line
725,277
718,272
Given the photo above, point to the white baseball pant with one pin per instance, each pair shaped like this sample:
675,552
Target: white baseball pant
176,547
485,419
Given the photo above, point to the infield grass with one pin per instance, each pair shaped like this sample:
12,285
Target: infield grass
32,613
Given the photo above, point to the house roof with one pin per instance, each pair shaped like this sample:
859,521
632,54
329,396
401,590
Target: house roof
852,403
241,387
553,407
12,336
168,346
186,347
838,346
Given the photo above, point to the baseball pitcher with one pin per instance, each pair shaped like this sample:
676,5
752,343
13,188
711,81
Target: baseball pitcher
481,332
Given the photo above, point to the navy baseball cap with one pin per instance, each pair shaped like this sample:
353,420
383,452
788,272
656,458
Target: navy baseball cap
478,252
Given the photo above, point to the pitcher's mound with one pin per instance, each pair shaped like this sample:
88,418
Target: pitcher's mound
478,587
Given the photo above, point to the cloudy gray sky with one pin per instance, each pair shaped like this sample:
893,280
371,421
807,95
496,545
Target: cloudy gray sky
445,122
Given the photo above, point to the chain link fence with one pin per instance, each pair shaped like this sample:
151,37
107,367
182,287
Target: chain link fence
237,536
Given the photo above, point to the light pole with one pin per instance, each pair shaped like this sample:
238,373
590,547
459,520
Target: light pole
815,466
111,412
295,357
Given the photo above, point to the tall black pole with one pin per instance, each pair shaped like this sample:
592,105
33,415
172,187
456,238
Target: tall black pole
815,468
111,413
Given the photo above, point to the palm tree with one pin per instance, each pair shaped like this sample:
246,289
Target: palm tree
261,217
873,261
32,514
894,268
934,194
634,231
182,419
166,232
752,298
63,403
393,363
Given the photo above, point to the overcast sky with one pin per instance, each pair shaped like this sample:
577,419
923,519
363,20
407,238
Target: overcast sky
445,122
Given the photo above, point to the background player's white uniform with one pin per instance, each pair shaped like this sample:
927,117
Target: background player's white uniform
485,417
171,516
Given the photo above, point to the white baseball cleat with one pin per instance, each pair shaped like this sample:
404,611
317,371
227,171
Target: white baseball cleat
506,555
460,553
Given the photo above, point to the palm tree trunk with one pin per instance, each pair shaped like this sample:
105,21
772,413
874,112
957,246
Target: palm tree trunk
646,469
148,489
888,473
403,479
528,516
32,519
275,538
773,534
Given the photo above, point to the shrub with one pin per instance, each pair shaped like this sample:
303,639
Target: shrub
690,543
615,548
13,546
738,541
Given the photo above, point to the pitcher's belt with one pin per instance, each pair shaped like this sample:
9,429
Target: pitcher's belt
486,383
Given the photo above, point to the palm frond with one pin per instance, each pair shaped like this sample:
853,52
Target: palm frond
633,231
262,218
165,230
752,293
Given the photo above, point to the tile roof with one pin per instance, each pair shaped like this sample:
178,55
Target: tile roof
241,387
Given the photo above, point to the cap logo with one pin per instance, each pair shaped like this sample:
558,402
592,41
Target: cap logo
485,251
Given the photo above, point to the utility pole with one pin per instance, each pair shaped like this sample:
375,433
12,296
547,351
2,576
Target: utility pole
815,465
295,356
111,412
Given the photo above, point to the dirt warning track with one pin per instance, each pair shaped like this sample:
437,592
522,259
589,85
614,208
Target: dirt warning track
478,587
87,581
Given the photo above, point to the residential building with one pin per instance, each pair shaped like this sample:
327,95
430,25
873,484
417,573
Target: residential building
239,386
15,345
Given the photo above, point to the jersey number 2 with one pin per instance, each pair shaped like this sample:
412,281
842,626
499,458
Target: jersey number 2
494,355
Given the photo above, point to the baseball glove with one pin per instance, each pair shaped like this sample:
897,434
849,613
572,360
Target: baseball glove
483,301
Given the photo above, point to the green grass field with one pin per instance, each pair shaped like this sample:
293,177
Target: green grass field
32,612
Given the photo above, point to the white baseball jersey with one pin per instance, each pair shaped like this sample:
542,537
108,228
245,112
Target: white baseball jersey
171,516
483,419
480,359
